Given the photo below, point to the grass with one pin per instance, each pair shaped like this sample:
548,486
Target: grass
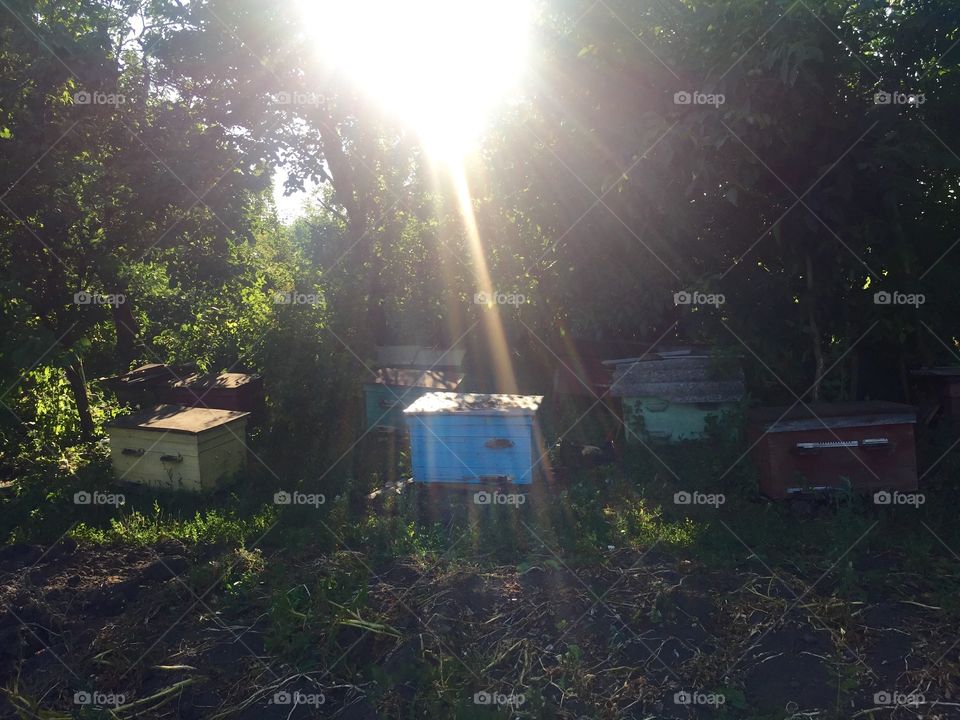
308,570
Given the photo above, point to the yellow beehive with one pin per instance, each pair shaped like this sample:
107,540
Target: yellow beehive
179,448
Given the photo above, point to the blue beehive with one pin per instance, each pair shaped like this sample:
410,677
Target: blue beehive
473,438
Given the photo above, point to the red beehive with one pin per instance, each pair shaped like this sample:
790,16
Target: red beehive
868,444
228,391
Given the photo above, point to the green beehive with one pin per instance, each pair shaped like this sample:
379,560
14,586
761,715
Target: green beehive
390,390
670,396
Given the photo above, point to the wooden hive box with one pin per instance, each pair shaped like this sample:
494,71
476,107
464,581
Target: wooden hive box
474,438
227,391
669,396
179,448
868,444
147,384
390,390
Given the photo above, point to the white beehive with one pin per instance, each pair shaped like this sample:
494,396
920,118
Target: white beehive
179,448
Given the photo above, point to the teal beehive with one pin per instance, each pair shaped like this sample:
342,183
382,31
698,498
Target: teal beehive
474,438
671,395
390,390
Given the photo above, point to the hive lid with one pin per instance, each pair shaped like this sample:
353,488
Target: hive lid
820,416
178,419
405,377
476,403
208,382
150,373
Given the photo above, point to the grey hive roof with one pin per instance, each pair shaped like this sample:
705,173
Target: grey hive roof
685,379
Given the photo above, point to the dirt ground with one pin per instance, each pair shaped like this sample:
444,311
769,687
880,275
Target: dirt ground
633,636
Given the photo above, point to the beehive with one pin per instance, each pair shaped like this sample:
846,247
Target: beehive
227,391
178,448
390,390
148,384
474,438
670,396
868,445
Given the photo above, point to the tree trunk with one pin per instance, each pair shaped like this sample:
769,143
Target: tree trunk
78,385
127,330
814,333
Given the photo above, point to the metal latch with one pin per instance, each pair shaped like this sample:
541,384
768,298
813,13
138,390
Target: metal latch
815,447
867,444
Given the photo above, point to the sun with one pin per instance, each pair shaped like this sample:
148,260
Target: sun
441,66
